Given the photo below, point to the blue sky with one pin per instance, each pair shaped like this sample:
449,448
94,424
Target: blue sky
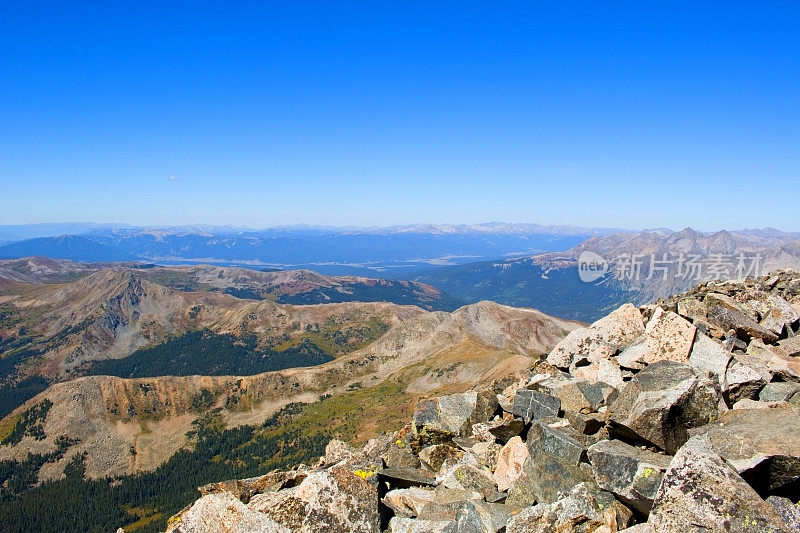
636,115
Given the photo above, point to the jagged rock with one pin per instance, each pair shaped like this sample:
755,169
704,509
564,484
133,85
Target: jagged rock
509,463
335,499
532,405
731,342
452,415
741,321
558,459
588,424
222,512
791,346
662,402
576,395
762,445
244,489
399,454
337,451
601,340
781,318
745,377
716,299
691,308
584,510
789,511
485,454
667,336
403,477
409,525
631,473
475,518
708,355
433,457
408,502
747,403
779,391
342,454
505,429
776,360
701,492
609,372
470,477
639,528
447,503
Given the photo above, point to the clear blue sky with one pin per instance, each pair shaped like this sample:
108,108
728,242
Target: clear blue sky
377,113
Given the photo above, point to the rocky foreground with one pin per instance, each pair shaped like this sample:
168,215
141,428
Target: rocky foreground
683,416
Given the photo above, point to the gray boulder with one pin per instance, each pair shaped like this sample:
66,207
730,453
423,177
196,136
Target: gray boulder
532,405
701,492
631,473
585,509
558,459
453,415
727,317
662,402
745,377
762,445
781,318
780,364
410,501
403,477
791,346
409,525
469,477
708,355
780,391
433,457
789,511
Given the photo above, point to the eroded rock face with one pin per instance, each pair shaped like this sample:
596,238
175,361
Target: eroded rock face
701,492
631,473
667,337
534,405
223,512
452,415
334,500
601,340
585,509
662,402
763,445
558,459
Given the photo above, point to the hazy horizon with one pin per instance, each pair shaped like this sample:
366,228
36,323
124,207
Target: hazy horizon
301,225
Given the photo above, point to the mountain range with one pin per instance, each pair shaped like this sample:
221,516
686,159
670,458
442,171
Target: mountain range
551,281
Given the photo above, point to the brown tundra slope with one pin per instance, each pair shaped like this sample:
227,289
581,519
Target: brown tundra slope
130,425
110,313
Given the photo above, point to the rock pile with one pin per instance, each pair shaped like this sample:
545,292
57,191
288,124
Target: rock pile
682,416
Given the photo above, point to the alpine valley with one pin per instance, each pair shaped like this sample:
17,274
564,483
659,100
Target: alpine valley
126,384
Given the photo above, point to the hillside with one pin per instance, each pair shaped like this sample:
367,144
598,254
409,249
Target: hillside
551,281
54,332
420,355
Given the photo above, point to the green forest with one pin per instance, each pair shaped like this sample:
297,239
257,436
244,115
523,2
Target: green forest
209,354
144,502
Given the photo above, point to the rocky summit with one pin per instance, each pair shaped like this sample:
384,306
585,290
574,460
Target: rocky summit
680,416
